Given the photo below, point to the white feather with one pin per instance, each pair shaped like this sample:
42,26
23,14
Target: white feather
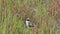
27,23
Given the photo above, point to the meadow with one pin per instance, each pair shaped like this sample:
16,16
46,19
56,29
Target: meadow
45,13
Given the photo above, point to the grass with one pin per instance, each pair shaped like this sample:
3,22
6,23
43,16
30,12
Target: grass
14,12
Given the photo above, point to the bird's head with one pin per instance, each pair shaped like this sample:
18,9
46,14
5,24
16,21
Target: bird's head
27,19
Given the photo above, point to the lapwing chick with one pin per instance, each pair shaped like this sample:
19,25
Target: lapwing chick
27,22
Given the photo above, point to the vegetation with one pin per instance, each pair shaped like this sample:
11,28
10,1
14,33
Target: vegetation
45,13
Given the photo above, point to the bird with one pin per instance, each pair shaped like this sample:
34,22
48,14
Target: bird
29,23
